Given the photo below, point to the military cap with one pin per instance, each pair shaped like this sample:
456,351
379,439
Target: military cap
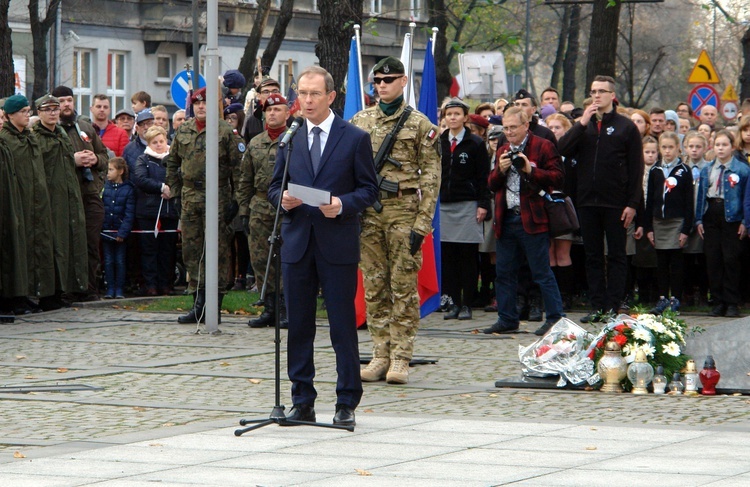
456,103
496,120
62,91
273,100
389,65
234,79
198,95
234,108
15,103
268,81
125,111
495,132
46,100
523,95
479,120
144,115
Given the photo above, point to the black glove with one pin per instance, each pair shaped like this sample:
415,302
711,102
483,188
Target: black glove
245,219
415,242
230,211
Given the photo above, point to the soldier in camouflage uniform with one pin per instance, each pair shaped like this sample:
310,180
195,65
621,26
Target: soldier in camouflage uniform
391,240
186,176
256,212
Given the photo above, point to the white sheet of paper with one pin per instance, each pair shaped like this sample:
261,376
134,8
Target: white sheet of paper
309,196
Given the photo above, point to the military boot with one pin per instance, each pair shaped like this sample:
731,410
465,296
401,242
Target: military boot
196,314
221,299
267,317
398,372
375,370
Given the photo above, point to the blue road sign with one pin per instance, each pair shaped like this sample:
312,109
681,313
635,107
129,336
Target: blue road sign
701,96
180,87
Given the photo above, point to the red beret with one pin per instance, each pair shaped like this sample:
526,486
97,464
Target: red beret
273,100
479,120
198,95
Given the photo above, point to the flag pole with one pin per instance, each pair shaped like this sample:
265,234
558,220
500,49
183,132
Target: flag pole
359,64
412,26
434,38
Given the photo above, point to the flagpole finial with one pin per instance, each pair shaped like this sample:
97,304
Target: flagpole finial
356,27
435,30
412,25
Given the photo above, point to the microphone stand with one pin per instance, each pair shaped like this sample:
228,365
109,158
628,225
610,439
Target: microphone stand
277,415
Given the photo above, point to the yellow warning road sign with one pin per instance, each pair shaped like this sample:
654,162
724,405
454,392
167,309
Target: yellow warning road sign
729,94
704,71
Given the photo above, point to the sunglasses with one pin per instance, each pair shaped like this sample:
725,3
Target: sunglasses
387,81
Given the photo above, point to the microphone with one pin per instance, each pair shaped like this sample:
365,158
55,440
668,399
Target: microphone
291,131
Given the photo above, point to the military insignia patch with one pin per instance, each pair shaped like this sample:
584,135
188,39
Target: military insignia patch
241,147
432,134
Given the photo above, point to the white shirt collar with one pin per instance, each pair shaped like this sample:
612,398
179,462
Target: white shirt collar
325,125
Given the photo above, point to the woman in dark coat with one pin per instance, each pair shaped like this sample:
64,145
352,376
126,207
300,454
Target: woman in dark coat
155,212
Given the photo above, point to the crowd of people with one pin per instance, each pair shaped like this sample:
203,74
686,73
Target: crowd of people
93,206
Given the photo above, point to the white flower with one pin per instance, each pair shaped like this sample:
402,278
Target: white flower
670,334
626,349
648,350
642,335
671,348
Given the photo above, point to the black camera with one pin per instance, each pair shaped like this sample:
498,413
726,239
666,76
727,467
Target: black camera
516,160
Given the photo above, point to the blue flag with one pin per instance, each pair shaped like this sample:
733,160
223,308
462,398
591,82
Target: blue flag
353,101
428,104
291,93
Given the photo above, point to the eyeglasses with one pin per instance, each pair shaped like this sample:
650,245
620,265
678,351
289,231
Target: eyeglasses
49,110
511,128
388,80
311,94
269,92
599,92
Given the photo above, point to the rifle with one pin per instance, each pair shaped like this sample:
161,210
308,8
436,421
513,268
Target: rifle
384,156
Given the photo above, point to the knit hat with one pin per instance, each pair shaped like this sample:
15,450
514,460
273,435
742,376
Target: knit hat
234,79
62,91
547,110
15,103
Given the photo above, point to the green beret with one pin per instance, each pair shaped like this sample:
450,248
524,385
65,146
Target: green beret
46,100
389,65
15,103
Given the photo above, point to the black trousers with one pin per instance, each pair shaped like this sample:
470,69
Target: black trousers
722,248
459,269
158,253
606,283
670,264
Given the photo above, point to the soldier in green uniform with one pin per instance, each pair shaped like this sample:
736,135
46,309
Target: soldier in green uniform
28,166
91,160
392,239
186,176
68,218
256,212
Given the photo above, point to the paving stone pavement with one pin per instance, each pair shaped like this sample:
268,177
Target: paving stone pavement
162,403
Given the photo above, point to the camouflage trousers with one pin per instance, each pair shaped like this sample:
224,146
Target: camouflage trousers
193,245
261,226
390,278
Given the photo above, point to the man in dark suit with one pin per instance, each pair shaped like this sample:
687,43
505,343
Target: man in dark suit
321,244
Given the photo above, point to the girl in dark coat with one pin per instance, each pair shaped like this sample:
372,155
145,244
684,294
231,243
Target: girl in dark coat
119,213
156,212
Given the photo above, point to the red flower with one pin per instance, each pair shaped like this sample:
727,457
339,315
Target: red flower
600,344
591,354
621,340
621,328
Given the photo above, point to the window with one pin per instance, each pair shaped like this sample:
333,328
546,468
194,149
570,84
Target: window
164,68
415,8
82,78
284,76
116,80
376,6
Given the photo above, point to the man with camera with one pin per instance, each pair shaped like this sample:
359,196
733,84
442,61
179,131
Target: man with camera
525,164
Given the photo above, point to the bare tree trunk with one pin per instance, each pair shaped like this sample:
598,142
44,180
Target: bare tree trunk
605,21
745,75
6,52
557,66
279,32
439,19
250,55
571,55
39,31
337,19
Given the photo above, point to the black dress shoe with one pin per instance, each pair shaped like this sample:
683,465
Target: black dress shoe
542,330
732,311
500,327
452,314
465,313
300,412
344,415
718,310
